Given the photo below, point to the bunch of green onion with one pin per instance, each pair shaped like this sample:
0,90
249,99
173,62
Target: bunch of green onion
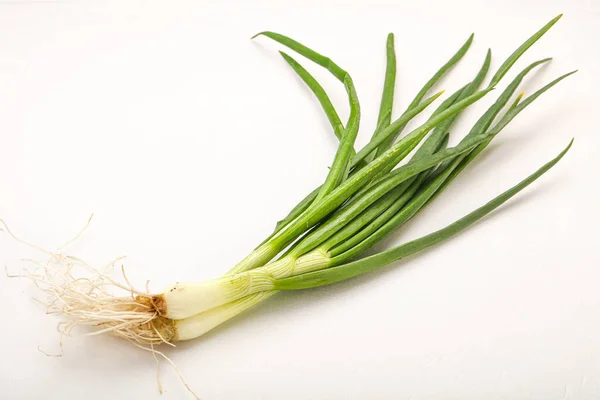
366,195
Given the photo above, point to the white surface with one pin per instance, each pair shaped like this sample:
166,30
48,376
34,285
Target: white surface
189,141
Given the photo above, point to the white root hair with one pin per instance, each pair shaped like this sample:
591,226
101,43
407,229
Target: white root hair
89,300
86,296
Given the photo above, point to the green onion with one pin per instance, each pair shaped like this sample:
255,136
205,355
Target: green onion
361,218
366,195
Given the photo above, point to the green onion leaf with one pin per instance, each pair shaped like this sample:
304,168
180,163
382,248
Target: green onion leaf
387,96
387,143
319,93
519,52
367,264
399,176
392,129
346,148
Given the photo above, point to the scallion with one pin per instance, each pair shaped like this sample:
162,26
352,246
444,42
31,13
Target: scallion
366,195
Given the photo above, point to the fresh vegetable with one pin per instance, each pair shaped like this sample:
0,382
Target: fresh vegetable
366,195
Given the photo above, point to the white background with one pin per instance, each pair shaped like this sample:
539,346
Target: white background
188,141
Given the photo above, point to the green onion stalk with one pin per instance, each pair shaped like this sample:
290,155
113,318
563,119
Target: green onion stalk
367,194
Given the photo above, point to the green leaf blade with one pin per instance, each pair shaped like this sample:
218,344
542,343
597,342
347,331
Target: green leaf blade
389,141
522,49
319,92
367,264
